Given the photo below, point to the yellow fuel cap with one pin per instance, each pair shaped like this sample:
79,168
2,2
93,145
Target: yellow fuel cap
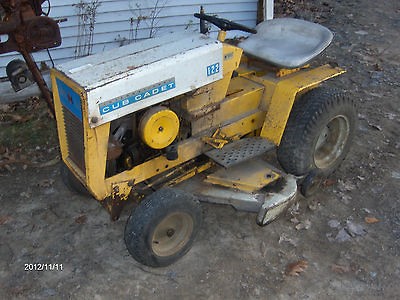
158,127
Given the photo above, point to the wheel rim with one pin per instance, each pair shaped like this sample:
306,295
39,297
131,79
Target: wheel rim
172,234
331,142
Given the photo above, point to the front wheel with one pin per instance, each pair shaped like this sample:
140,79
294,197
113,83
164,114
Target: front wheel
71,182
163,227
319,133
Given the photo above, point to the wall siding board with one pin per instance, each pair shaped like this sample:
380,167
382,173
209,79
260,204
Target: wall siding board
113,27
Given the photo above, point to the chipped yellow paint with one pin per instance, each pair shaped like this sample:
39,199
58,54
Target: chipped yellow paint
121,190
284,72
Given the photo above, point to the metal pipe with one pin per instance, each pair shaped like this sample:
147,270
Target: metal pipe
37,75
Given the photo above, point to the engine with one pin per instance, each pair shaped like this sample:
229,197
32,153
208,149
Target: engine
144,135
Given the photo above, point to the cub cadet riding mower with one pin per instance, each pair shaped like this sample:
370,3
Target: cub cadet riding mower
170,120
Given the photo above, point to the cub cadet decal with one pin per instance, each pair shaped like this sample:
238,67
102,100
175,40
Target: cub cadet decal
136,96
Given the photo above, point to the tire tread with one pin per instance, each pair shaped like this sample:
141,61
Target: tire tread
295,147
143,218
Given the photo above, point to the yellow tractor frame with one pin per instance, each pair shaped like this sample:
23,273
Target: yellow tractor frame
247,86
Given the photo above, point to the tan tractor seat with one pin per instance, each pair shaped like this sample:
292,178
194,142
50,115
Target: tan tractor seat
287,43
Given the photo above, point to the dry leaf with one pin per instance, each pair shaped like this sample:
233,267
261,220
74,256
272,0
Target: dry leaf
263,249
9,158
81,219
5,219
294,209
340,269
49,163
25,195
366,210
346,186
18,118
294,269
5,107
313,205
45,183
342,236
7,167
371,220
303,225
376,127
21,119
329,182
333,223
284,238
354,229
3,149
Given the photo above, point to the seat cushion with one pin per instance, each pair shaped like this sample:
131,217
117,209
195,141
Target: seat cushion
287,43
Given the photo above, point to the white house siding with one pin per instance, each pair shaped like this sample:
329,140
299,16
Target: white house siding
113,22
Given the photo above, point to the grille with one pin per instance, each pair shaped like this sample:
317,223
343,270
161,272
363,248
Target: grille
75,142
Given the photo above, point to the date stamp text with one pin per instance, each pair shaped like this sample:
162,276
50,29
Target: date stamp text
43,267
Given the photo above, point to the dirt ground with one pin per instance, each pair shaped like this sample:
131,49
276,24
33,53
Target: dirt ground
343,243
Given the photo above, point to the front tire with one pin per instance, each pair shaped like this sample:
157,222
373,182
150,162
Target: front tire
319,133
71,182
163,227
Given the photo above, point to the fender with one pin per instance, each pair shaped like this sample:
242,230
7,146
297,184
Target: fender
285,93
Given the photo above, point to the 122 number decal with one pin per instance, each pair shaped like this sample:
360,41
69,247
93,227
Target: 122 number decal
213,69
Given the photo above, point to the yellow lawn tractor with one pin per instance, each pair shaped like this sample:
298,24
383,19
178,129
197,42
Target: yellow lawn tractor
170,121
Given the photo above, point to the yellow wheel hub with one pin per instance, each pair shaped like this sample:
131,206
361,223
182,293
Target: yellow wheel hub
159,127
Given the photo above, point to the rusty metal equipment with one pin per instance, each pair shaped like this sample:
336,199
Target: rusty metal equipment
29,29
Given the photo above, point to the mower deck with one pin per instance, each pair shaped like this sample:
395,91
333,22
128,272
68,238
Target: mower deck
245,180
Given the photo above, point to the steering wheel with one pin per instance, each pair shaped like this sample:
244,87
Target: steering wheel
225,24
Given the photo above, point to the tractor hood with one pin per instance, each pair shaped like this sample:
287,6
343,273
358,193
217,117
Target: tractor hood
139,75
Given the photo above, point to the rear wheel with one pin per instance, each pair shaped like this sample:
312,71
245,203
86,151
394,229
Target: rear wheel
163,227
318,134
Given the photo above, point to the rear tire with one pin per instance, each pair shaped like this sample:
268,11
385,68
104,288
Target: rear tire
318,134
163,227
